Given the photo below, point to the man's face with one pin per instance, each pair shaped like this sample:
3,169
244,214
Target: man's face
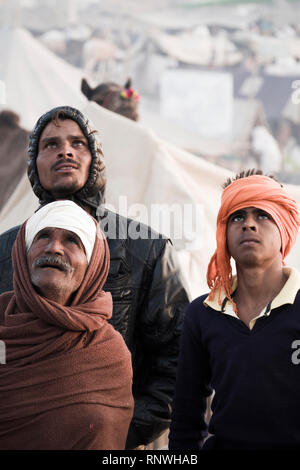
57,263
64,158
253,238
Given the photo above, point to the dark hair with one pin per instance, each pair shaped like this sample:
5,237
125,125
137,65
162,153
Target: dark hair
245,174
61,115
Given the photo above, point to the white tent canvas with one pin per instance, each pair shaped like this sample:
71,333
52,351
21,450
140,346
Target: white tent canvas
35,79
142,170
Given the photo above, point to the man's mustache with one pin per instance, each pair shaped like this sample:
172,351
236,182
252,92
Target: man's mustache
52,260
65,160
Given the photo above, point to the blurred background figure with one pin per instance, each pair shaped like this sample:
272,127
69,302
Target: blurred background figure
123,100
266,150
99,54
13,153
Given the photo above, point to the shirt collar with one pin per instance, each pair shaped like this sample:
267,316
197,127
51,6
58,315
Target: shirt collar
287,295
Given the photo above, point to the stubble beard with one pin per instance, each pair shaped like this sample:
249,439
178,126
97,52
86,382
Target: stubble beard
66,190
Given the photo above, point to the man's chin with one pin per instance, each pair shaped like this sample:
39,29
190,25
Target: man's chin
64,191
250,261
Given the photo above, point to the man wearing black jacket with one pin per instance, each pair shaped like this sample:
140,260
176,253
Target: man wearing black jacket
149,296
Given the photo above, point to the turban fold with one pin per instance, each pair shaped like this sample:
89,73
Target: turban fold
66,215
263,193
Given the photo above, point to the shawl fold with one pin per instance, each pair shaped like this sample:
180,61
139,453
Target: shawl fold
67,379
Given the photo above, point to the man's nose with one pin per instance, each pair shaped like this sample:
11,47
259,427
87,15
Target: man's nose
249,224
54,246
65,150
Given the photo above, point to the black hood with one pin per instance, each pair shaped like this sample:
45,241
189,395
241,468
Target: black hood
93,192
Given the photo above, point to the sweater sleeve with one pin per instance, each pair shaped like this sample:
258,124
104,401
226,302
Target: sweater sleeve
188,427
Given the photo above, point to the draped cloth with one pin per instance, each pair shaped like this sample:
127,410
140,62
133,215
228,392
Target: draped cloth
263,193
67,379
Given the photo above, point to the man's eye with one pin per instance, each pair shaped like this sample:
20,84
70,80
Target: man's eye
78,143
237,218
51,144
42,235
263,215
73,240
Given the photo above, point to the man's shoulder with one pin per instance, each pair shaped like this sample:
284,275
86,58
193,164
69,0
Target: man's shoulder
197,310
7,239
198,303
10,233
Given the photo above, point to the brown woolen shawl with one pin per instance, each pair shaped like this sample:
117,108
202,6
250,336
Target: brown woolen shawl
67,379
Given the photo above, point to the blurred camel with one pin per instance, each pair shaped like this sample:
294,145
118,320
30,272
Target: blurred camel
120,99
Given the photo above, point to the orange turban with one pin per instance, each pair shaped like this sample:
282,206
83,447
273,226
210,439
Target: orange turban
263,193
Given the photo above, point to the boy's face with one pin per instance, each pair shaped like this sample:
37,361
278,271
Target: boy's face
253,238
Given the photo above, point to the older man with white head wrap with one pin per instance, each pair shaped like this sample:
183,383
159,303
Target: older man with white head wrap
66,367
65,215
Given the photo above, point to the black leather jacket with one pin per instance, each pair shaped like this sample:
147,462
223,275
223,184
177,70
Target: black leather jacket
149,301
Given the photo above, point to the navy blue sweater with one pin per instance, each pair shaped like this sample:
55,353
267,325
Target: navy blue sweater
255,376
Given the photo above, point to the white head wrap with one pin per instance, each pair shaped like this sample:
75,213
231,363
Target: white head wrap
66,215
